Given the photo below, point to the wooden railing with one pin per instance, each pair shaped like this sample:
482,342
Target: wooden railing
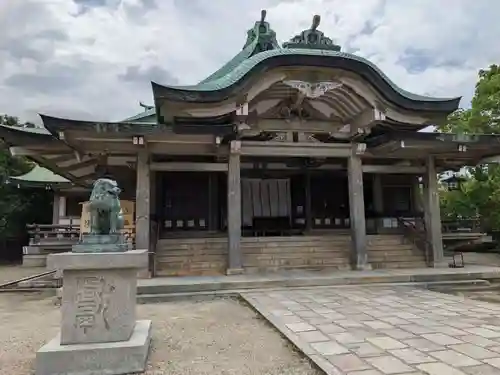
39,233
461,226
64,233
414,231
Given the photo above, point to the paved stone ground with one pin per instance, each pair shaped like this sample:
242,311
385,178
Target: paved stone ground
386,330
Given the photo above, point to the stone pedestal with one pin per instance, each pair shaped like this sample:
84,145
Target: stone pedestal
109,243
99,331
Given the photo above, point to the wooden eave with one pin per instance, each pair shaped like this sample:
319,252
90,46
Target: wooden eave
56,125
454,150
13,136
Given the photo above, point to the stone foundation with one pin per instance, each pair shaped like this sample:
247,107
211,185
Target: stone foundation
121,357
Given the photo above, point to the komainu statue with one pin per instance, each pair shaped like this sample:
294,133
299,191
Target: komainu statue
106,220
104,206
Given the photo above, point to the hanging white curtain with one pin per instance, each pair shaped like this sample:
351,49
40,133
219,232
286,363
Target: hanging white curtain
264,198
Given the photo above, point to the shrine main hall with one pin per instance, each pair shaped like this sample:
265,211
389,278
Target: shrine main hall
292,156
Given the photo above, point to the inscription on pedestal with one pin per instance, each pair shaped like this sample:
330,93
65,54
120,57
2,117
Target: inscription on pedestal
98,307
92,302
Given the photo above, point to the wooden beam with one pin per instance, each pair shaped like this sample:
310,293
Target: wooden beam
78,166
298,125
404,169
366,119
120,160
295,149
23,151
189,167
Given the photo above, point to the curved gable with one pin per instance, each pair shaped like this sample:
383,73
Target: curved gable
221,88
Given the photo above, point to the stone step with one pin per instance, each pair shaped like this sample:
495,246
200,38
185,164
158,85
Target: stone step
297,244
188,247
478,285
233,289
394,265
391,260
393,252
390,246
293,262
294,239
298,250
387,242
167,261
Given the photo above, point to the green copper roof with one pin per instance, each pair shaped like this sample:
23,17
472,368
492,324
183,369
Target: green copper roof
35,130
39,176
141,116
246,66
218,88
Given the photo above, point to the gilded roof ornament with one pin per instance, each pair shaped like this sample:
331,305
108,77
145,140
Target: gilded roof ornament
312,38
313,90
262,35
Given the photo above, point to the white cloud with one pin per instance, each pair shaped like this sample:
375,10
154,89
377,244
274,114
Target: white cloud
53,61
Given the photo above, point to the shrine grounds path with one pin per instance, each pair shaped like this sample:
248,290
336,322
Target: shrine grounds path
382,330
206,338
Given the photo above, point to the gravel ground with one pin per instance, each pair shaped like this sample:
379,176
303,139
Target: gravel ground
14,272
212,337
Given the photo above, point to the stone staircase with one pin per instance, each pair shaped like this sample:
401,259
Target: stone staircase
393,251
191,256
208,256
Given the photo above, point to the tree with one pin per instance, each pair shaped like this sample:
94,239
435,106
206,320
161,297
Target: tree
19,207
480,194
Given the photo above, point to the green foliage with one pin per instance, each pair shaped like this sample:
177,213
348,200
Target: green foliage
480,194
19,207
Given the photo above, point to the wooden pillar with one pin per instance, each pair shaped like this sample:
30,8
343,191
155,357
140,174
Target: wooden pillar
154,220
55,209
142,201
357,212
433,214
235,264
417,203
308,205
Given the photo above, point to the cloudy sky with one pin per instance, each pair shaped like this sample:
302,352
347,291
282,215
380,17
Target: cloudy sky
95,58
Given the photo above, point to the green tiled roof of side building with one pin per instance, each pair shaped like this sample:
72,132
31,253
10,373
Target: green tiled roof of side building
38,176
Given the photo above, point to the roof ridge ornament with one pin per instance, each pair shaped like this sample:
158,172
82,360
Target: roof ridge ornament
146,107
313,90
312,38
263,35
